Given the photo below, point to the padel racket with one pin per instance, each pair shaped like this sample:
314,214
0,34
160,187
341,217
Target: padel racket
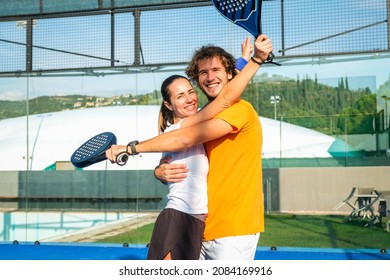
244,13
94,151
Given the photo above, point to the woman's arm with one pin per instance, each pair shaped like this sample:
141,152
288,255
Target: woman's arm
233,89
175,140
246,52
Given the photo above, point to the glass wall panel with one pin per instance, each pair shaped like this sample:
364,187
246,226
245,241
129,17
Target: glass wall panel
318,115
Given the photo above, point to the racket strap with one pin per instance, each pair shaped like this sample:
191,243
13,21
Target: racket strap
256,61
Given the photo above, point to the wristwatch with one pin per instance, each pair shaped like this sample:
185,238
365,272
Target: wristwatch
132,147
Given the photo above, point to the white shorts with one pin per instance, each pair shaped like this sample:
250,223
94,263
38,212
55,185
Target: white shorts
241,247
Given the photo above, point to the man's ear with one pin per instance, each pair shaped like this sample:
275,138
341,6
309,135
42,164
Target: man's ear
230,76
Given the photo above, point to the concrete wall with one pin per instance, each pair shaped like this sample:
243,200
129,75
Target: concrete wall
9,186
81,190
320,189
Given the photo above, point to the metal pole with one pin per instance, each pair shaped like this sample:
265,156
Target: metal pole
282,24
274,99
388,23
29,44
137,37
268,184
386,116
112,39
274,108
280,139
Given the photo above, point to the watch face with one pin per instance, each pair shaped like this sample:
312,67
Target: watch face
132,147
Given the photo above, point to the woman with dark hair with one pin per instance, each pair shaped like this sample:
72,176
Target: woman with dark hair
178,230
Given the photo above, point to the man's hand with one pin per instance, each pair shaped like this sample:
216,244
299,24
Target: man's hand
263,47
168,172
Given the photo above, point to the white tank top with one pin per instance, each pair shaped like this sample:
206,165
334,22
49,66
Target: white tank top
190,195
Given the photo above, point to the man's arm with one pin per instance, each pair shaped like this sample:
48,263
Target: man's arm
176,140
232,91
173,173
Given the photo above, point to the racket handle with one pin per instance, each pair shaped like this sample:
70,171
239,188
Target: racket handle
122,158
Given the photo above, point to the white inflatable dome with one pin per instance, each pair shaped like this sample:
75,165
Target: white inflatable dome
54,136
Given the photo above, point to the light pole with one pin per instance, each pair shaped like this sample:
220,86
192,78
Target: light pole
275,99
386,122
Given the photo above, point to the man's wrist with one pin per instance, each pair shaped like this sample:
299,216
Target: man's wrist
257,60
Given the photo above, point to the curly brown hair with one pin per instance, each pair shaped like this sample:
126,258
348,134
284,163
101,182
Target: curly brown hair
206,52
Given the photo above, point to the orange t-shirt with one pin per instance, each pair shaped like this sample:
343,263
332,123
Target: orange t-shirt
235,190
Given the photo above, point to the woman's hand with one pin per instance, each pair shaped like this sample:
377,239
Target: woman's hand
114,151
247,49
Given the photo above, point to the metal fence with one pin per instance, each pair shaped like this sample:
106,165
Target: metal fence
152,35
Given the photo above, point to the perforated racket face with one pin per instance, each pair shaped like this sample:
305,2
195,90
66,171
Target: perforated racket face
244,13
236,9
93,150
